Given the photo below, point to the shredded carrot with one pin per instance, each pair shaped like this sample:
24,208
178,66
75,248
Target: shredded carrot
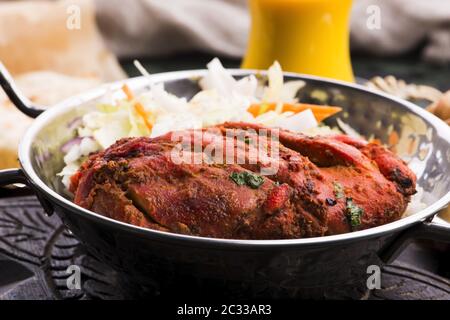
137,106
141,111
393,138
320,112
126,89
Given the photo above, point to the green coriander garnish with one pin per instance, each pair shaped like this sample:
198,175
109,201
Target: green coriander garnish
238,178
354,213
252,180
338,190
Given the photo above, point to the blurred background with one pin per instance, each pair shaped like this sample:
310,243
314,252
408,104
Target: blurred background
55,49
69,36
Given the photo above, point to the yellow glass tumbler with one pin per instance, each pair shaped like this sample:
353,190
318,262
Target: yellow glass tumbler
305,36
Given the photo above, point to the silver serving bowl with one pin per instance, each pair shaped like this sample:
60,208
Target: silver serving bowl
303,267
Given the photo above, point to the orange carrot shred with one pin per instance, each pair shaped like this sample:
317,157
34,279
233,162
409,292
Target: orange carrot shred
126,89
137,106
320,112
141,111
393,138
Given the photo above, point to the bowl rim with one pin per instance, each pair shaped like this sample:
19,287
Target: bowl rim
442,129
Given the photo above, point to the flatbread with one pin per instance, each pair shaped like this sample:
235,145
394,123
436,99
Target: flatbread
54,50
43,88
61,36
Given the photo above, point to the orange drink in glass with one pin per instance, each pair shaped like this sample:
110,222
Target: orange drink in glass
305,36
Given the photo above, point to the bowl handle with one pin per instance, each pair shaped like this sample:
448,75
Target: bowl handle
13,176
427,230
19,100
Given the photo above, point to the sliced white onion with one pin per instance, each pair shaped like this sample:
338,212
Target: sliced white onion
218,78
273,91
298,122
73,155
88,145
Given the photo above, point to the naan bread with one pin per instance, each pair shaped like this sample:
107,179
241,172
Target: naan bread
61,36
43,88
50,59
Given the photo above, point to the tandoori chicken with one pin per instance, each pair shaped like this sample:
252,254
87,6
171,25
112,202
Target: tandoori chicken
296,186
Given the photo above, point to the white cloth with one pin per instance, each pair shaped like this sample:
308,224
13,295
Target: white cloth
155,27
135,28
404,25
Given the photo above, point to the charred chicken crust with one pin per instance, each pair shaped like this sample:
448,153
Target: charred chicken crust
136,181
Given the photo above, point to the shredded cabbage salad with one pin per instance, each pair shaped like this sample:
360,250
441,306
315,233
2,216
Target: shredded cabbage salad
156,112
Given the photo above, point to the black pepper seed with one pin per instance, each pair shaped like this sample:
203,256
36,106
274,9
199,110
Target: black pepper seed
330,202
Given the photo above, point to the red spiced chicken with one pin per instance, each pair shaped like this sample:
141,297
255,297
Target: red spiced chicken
244,185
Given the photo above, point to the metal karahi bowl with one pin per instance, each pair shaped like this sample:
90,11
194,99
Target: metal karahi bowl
276,268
